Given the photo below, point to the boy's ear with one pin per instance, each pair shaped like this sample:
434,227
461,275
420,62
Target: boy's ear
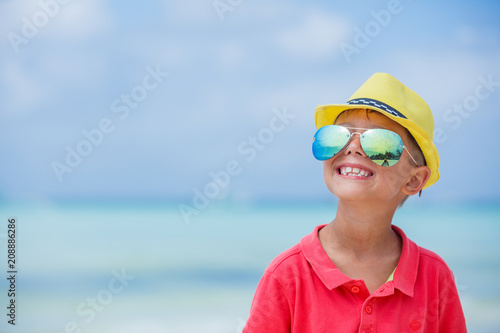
417,181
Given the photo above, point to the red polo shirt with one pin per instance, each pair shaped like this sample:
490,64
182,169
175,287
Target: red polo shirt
303,292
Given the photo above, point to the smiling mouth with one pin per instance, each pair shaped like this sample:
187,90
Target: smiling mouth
358,172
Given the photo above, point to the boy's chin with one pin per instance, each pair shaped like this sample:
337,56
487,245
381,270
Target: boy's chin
349,192
357,191
368,196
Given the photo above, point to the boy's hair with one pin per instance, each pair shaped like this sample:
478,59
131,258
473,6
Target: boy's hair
416,152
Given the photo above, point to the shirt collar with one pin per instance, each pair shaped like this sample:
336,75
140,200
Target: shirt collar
406,271
404,277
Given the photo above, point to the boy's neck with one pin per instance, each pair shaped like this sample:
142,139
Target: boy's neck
361,230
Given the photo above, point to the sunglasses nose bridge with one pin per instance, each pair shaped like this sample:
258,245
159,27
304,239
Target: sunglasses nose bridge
353,133
354,138
354,144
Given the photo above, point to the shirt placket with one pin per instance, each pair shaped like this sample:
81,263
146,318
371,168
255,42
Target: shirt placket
367,324
369,303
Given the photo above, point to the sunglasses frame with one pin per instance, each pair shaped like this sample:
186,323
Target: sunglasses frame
365,130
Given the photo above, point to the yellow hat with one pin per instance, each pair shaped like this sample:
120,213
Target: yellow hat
385,94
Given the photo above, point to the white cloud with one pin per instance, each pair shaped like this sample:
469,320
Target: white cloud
231,55
443,77
24,92
317,36
31,78
81,19
190,11
12,13
75,20
470,36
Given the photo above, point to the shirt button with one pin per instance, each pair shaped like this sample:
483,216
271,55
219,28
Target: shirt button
355,289
415,325
368,309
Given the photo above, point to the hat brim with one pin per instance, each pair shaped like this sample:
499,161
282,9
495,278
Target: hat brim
326,115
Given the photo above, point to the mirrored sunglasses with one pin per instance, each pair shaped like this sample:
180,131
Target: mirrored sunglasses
382,146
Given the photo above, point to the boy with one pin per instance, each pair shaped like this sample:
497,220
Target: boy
359,273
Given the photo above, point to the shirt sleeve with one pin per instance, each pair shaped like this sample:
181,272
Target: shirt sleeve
451,315
271,309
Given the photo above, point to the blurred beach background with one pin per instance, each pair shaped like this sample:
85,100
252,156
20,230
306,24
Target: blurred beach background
157,155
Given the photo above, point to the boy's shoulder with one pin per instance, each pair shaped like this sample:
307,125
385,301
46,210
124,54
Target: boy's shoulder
431,260
298,259
286,259
420,258
426,254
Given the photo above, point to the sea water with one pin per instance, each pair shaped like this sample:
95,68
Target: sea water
141,267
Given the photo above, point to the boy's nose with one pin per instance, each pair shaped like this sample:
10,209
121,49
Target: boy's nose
354,146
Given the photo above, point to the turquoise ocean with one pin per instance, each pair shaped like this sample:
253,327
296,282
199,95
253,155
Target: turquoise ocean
141,267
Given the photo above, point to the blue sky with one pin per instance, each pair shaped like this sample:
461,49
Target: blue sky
223,78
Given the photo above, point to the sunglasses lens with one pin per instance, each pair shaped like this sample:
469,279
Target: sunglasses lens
329,140
382,146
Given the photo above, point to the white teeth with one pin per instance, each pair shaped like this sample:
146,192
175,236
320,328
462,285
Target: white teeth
348,171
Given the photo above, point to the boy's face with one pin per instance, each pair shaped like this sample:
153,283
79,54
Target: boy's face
378,183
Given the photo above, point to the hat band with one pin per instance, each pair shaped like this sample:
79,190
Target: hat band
379,104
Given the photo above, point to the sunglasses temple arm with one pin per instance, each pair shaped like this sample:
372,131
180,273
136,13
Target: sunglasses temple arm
419,193
410,155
